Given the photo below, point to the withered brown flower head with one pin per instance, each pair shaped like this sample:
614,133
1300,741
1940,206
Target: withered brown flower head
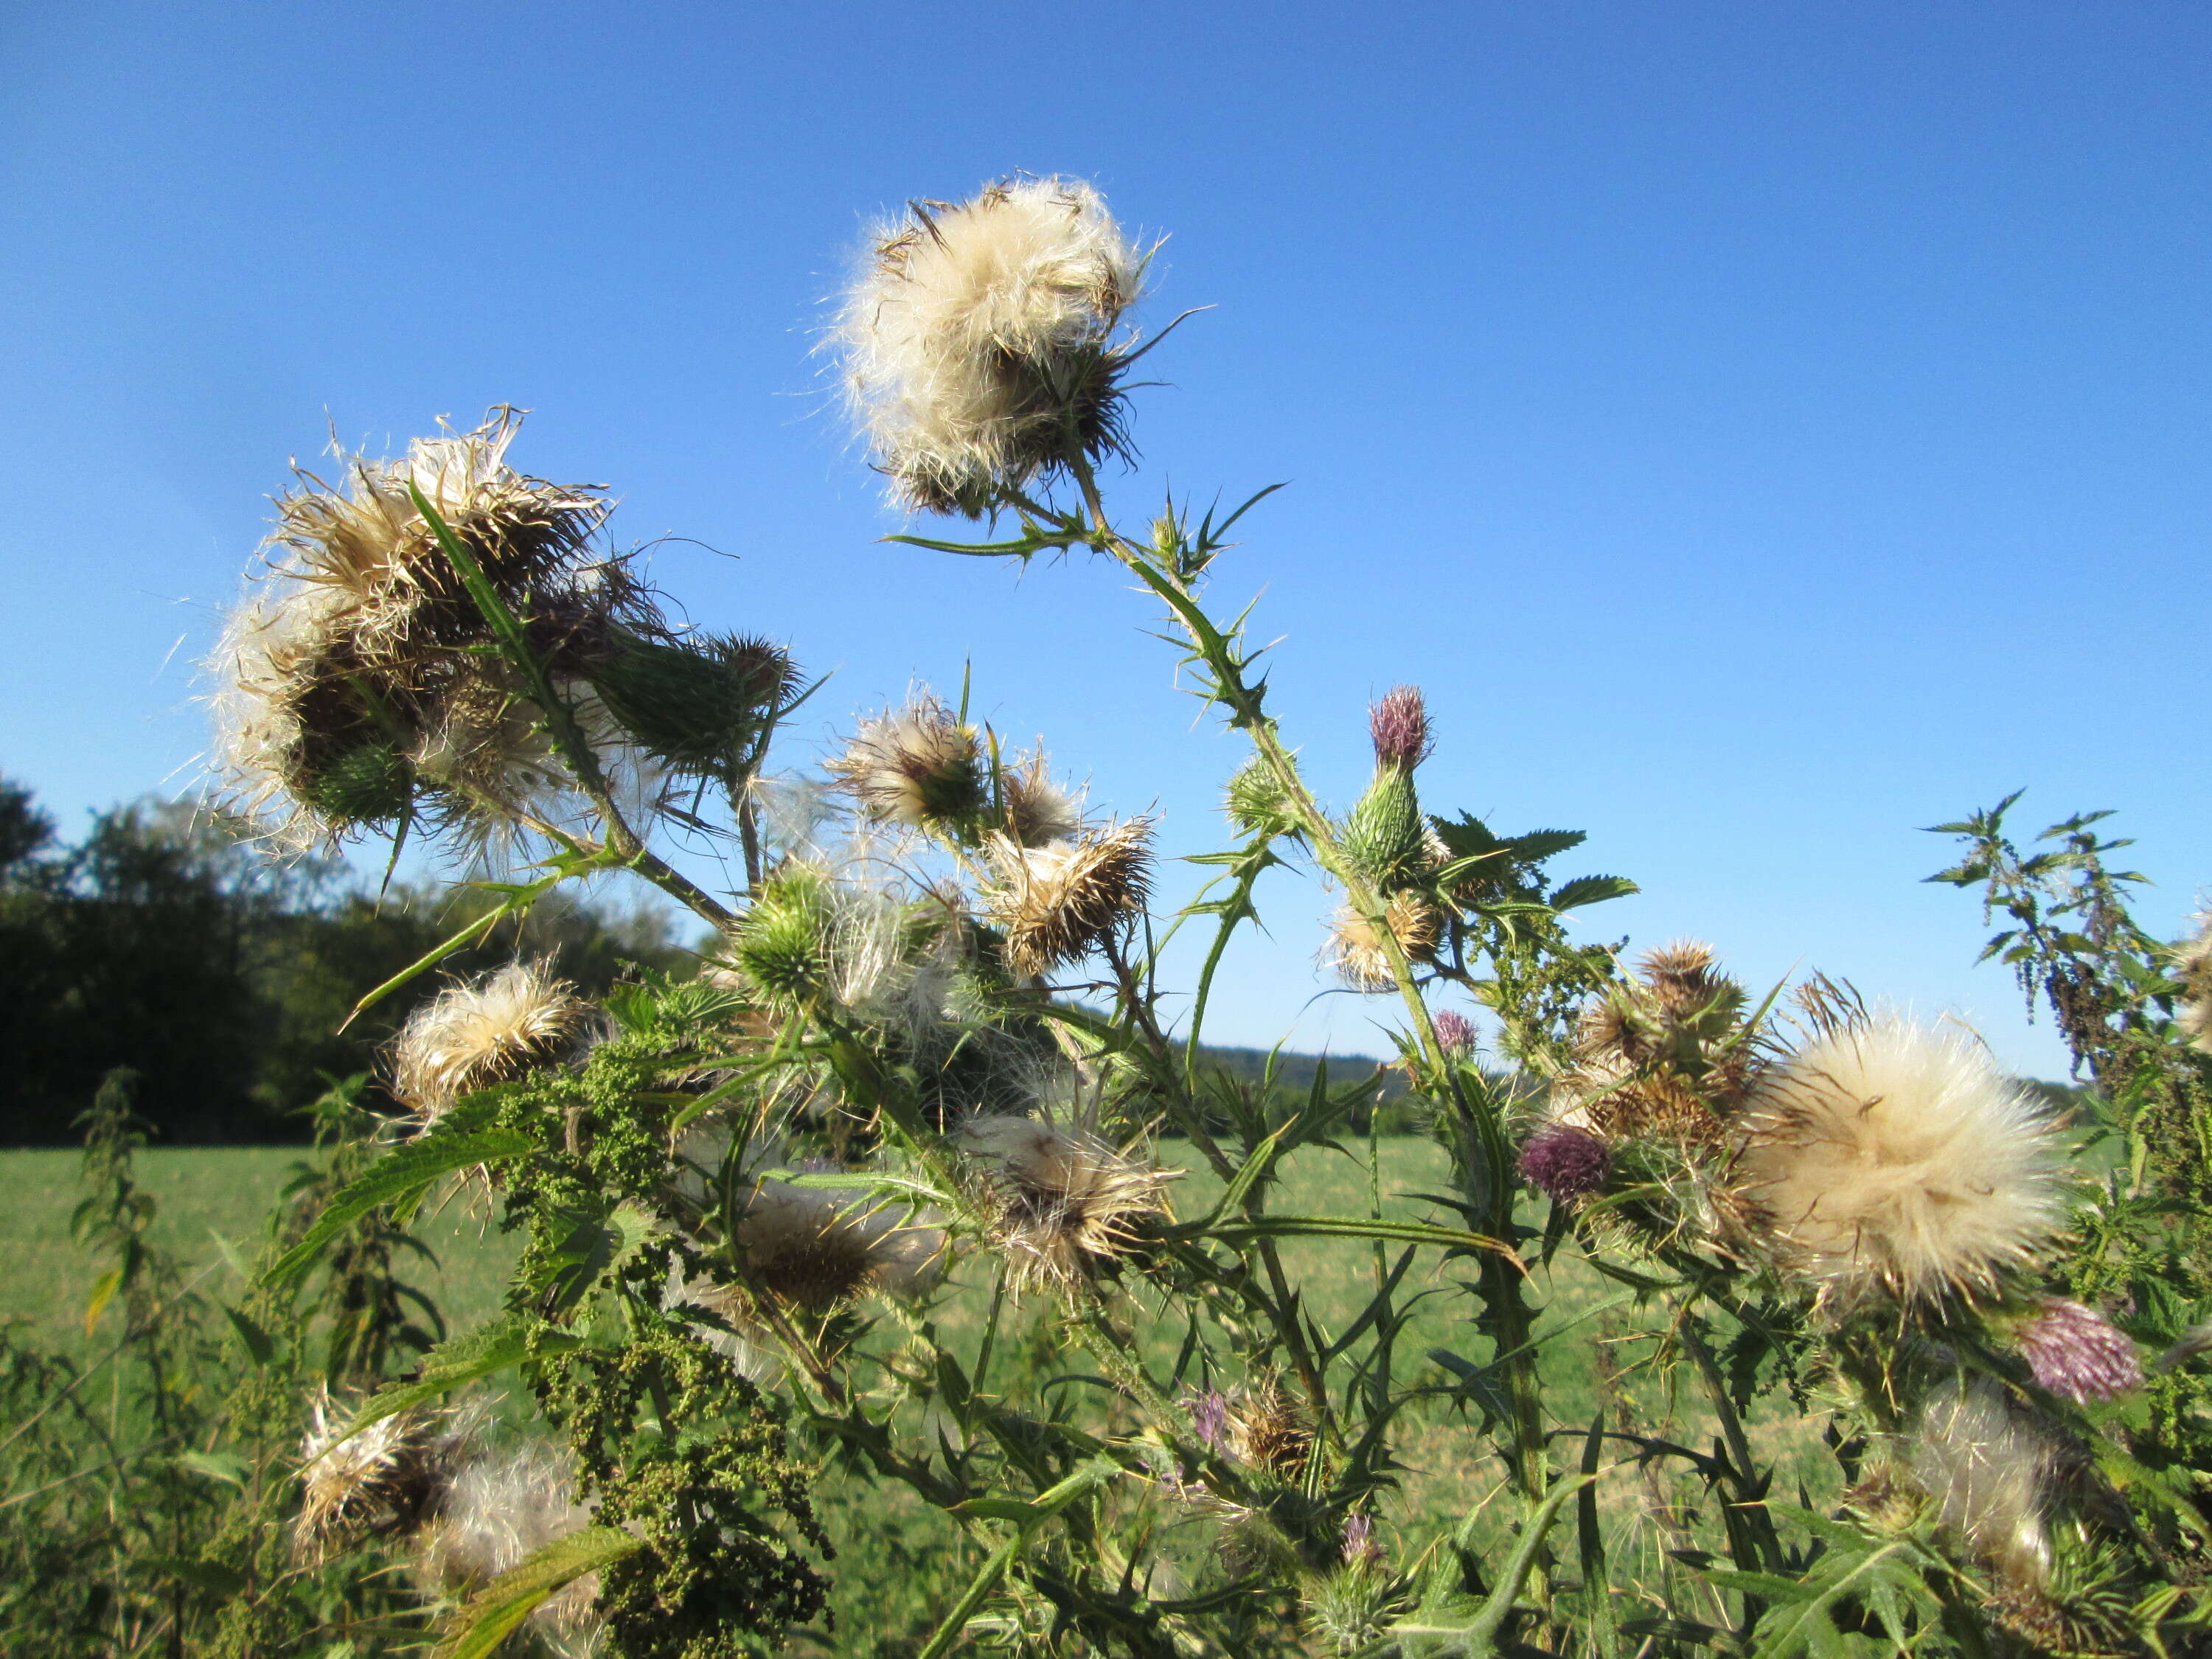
351,1483
1056,902
1065,1198
1271,1431
338,683
1355,949
470,1037
917,766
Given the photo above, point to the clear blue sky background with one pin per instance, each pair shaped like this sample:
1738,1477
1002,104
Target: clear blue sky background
1763,429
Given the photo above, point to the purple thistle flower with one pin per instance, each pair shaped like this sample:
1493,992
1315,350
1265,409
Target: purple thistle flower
2078,1354
1562,1161
1400,727
1454,1033
1209,1415
1359,1546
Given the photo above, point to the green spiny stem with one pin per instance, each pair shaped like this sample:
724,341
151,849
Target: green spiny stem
1527,1455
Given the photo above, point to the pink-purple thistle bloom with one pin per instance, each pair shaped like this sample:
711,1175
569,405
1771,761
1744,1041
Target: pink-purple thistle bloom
1400,725
2078,1354
1359,1546
1562,1161
1455,1034
1209,1416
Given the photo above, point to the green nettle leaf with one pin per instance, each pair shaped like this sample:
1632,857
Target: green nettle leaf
597,1245
260,1346
1591,889
403,1174
493,1612
511,1341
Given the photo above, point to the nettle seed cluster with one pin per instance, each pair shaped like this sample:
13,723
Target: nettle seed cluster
931,1052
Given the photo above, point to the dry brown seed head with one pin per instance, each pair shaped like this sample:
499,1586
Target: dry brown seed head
1055,904
472,1036
1064,1199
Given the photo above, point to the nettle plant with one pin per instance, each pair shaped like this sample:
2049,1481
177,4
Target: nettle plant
932,1061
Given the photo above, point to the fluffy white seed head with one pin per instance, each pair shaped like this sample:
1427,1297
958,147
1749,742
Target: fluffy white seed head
978,340
469,1036
1354,948
812,1249
916,766
1064,1197
2193,967
1891,1157
1987,1466
497,1508
1038,810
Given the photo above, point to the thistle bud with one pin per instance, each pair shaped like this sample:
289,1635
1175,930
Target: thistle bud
1399,725
781,945
1384,836
1255,803
695,704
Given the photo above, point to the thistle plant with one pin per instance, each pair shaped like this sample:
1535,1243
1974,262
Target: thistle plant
933,1067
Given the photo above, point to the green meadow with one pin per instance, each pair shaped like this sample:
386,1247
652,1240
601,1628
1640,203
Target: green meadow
900,1564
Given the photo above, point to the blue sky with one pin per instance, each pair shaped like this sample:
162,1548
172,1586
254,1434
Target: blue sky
1763,429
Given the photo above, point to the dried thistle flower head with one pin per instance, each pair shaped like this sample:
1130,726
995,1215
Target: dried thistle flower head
470,1037
1399,725
1564,1163
1270,1430
1665,1051
1355,949
1038,812
369,541
2076,1353
354,1483
1893,1157
810,1251
1988,1467
333,682
1064,1199
2192,965
918,766
978,343
495,1509
1056,902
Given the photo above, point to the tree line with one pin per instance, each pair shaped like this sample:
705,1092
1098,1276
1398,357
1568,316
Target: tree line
157,941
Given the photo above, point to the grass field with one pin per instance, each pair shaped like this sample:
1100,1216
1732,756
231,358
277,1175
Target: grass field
901,1564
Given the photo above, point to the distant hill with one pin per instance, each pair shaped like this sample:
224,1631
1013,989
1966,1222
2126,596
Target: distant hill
1295,1070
